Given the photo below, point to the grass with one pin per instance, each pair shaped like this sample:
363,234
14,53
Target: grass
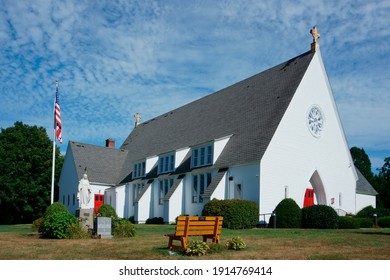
18,242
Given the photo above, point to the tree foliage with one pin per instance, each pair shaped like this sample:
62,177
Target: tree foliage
383,184
380,182
25,173
362,162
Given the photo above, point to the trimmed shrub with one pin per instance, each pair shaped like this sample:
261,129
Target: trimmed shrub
348,223
369,211
365,222
55,208
384,222
288,214
319,216
155,220
366,212
122,228
56,225
237,214
106,210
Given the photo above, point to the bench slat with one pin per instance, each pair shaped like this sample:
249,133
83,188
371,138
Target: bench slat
208,227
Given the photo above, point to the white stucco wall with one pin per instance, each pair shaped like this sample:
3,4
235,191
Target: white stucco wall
69,182
363,200
294,154
142,207
175,204
248,177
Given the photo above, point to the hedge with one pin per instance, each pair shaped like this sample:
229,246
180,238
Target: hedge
237,214
348,223
384,222
319,216
288,214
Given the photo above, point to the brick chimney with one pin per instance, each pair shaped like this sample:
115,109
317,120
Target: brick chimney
110,143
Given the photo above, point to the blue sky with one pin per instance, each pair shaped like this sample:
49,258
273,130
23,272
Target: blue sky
116,58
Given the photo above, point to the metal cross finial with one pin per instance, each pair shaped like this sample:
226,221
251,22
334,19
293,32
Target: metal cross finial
315,34
137,119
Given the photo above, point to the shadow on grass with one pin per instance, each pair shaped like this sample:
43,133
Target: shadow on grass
374,232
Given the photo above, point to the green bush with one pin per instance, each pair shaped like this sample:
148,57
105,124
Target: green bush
237,214
319,216
236,243
122,228
106,210
369,211
198,248
288,214
348,223
77,231
156,221
56,225
36,224
55,208
384,222
365,222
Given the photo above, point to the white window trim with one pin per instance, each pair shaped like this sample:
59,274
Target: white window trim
139,169
164,185
166,163
202,155
197,191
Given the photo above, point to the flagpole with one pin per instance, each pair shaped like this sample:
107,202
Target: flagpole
54,150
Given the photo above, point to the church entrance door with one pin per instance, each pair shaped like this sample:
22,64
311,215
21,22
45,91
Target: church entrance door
309,198
98,201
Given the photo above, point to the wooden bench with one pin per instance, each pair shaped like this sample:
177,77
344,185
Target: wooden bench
208,227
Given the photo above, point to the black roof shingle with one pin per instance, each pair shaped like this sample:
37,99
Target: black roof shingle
249,110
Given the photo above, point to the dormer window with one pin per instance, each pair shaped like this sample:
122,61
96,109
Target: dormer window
139,169
166,164
202,156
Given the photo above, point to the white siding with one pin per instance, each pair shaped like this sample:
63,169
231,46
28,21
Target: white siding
248,177
363,200
174,205
219,145
68,184
143,207
294,154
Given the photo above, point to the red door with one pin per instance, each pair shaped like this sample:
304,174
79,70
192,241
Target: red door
309,198
99,200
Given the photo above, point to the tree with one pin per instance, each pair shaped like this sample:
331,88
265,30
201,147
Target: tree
383,182
363,163
25,172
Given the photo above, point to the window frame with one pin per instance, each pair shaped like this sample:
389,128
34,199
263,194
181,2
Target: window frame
139,169
202,155
200,183
166,163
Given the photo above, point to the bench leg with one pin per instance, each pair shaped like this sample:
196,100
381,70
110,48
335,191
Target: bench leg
214,239
184,243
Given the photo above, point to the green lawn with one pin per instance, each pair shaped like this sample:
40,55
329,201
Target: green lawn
19,242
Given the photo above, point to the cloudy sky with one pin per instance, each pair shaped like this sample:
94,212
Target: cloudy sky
116,58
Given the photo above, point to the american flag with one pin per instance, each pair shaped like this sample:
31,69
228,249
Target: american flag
57,117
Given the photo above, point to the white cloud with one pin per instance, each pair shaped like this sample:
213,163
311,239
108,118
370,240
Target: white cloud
116,58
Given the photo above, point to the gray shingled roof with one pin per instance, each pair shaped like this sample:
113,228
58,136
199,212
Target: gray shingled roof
363,186
249,110
103,164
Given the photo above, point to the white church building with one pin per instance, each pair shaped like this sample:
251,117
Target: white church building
272,136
